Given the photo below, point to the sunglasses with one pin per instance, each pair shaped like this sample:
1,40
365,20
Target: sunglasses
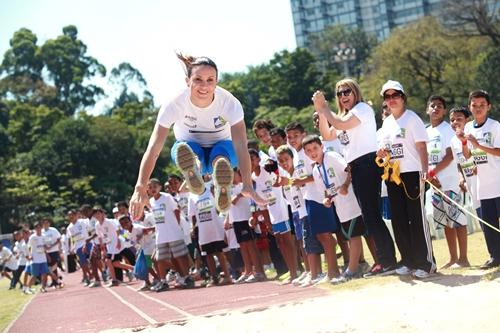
396,95
345,92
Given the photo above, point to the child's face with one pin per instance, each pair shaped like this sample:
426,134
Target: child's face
263,136
285,161
154,188
479,108
314,151
457,121
277,140
295,138
174,184
436,110
254,162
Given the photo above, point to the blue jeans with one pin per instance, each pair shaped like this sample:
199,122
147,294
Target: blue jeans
207,155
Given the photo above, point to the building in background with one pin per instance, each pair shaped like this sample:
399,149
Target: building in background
377,17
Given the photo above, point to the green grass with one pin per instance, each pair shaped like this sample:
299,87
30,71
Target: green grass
12,301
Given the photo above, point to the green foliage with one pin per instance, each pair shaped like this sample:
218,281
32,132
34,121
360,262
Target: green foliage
69,65
436,64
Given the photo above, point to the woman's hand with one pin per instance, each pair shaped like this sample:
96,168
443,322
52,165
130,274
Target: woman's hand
320,103
138,201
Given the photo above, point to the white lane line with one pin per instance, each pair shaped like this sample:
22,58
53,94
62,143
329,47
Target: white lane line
133,307
170,306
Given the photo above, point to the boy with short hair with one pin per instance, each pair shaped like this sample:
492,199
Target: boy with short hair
266,185
483,143
20,252
8,262
52,243
332,177
444,175
296,200
78,232
170,243
321,221
239,216
39,267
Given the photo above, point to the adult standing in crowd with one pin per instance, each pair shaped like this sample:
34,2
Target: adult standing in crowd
357,133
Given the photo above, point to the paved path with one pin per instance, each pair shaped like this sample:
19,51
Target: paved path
79,309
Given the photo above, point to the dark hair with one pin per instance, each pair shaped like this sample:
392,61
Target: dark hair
461,109
311,139
179,178
252,143
277,131
284,150
294,125
190,62
253,152
122,204
154,181
262,124
478,94
436,98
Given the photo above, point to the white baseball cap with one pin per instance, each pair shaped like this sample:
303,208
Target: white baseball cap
391,84
115,210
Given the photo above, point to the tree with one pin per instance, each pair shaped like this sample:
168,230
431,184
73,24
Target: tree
473,18
69,66
289,79
325,46
426,61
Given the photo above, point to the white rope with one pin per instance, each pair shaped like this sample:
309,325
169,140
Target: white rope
463,209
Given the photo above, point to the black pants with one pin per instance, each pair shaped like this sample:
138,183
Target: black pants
490,211
366,184
128,254
411,229
16,275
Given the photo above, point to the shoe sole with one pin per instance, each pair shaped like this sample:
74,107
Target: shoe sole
223,179
186,162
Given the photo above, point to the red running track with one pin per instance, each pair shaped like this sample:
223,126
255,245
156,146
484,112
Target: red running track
79,309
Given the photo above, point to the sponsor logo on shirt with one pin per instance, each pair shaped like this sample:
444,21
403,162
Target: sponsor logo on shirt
487,138
190,118
402,133
189,125
219,121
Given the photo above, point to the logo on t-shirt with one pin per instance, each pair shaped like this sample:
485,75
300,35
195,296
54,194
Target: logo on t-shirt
402,133
487,138
219,121
343,138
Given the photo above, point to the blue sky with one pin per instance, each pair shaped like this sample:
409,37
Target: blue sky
234,33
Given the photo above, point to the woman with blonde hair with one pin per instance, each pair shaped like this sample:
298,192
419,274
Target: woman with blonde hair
356,129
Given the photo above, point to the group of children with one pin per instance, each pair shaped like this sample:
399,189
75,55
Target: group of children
311,207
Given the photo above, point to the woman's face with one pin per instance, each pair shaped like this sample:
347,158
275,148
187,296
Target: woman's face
394,100
202,84
346,97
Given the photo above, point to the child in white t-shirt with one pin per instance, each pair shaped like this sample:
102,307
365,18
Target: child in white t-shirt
211,235
483,144
39,267
332,177
295,198
266,185
445,175
170,243
238,217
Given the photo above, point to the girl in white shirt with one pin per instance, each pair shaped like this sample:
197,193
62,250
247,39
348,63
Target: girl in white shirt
211,136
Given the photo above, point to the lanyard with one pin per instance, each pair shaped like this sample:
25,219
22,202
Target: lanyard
324,176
